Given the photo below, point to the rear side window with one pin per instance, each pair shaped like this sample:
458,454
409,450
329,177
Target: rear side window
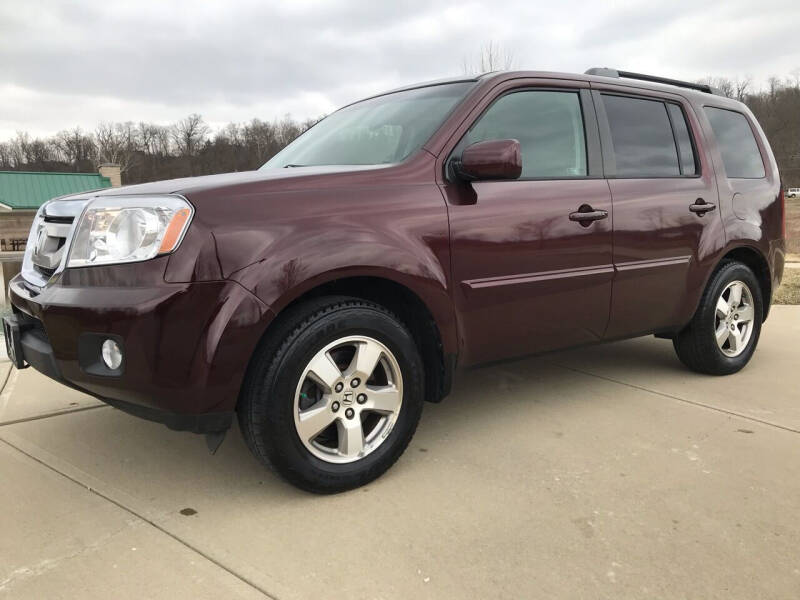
683,140
549,127
644,145
736,143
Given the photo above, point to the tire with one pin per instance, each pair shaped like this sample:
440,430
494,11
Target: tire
283,398
697,344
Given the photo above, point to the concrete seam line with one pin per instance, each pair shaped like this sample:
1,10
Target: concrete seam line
684,400
8,387
5,381
53,414
153,524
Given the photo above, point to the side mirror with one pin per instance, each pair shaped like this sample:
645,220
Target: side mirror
492,159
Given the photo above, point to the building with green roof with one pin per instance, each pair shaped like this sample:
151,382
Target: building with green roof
23,190
21,195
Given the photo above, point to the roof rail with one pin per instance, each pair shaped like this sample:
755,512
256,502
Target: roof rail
606,72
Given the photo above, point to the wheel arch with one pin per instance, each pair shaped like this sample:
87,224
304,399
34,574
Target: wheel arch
748,255
429,327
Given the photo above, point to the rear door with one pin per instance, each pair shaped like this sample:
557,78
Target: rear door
527,277
667,224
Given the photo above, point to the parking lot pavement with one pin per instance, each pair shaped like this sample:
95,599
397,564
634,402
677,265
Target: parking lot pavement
604,472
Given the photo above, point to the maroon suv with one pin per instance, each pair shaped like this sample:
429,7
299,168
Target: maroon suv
325,296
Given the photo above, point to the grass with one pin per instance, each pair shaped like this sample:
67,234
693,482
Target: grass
789,292
793,227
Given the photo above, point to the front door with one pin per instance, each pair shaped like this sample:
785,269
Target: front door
529,272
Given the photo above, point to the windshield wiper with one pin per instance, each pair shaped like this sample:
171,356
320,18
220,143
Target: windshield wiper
293,166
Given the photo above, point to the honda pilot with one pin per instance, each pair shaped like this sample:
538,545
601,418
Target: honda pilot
322,299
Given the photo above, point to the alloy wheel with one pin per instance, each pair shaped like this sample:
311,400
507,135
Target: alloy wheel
734,318
348,399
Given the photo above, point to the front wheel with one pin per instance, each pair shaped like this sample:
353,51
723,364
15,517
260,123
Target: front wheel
335,401
722,335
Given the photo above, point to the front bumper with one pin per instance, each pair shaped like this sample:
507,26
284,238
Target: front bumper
186,346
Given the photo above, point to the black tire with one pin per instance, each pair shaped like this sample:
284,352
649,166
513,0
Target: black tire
266,405
696,345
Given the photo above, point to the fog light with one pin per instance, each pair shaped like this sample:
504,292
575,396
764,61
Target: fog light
112,355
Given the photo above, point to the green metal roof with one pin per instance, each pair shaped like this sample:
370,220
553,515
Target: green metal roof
21,190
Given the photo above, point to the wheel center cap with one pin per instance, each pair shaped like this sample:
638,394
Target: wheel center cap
347,397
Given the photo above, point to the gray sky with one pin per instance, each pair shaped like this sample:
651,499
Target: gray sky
81,62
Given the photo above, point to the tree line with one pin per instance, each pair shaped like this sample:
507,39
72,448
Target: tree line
149,152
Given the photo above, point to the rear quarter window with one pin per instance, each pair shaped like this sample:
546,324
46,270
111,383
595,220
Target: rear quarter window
737,144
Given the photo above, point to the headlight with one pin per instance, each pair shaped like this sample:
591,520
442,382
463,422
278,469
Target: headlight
120,229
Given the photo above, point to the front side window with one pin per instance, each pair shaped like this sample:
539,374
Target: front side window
737,144
548,126
382,130
641,133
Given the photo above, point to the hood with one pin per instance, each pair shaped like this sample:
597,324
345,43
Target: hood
188,185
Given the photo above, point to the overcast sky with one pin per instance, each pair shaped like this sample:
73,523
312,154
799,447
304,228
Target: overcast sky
81,62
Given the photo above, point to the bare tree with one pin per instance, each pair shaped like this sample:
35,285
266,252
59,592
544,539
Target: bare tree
147,136
18,148
774,85
163,140
116,143
189,134
5,156
741,87
75,147
723,85
491,57
794,78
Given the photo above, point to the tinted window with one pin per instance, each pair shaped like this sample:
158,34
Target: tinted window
736,143
688,166
642,136
548,125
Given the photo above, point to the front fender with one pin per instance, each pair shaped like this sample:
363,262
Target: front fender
281,245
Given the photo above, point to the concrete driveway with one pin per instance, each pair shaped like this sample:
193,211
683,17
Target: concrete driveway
605,472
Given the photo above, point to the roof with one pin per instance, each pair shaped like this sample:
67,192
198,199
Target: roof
25,190
658,84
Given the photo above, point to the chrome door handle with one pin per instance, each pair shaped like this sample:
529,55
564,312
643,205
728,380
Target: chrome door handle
585,215
701,207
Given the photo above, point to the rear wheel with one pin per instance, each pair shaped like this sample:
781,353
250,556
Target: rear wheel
723,333
335,399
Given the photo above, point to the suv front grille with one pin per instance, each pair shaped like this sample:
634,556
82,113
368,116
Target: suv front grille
48,247
49,240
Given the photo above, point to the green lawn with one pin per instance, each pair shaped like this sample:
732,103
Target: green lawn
789,292
793,226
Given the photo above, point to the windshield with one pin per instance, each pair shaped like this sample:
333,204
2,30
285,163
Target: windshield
382,130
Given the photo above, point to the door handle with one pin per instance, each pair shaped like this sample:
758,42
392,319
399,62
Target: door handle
585,215
701,207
